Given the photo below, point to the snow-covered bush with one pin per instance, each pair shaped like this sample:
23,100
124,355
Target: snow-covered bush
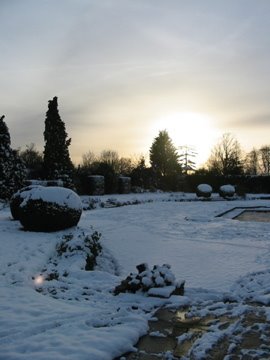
18,198
227,191
50,209
146,279
88,245
204,190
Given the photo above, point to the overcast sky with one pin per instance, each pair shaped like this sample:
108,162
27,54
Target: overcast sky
122,69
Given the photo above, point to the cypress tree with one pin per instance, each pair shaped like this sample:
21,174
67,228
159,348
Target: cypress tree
164,161
57,162
12,169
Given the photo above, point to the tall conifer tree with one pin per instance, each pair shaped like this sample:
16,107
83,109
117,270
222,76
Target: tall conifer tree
164,161
12,170
57,162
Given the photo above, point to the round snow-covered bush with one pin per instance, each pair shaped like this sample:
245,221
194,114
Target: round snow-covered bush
50,209
18,198
227,191
204,190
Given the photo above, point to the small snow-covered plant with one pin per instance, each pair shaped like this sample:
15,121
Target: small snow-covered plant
204,190
64,246
227,191
92,243
91,203
87,245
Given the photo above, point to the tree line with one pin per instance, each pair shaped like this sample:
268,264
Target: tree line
168,166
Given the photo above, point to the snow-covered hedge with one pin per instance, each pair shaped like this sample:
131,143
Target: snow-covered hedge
49,209
204,190
227,191
124,184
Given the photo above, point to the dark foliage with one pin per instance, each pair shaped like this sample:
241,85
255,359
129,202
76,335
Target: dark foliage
165,162
243,183
12,169
124,185
33,161
111,178
142,177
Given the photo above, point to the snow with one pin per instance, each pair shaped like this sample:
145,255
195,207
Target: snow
205,188
54,194
78,317
227,189
165,291
97,177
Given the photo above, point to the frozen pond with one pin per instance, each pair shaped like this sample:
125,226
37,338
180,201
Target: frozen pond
254,215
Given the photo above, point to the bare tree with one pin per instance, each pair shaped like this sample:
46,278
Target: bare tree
252,162
126,165
110,157
88,159
31,157
264,155
226,156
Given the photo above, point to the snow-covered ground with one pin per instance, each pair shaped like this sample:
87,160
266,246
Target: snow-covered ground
76,316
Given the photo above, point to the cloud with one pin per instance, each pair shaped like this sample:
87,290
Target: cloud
119,64
257,121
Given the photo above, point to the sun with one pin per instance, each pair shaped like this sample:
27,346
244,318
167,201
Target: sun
191,129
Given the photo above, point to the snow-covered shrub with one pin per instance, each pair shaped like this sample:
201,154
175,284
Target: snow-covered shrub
204,190
92,243
146,279
88,245
50,209
227,191
18,198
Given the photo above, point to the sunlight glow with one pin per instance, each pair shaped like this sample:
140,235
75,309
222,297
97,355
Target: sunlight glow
189,129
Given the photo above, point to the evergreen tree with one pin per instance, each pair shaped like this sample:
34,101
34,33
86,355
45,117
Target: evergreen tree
12,169
164,161
57,162
141,175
